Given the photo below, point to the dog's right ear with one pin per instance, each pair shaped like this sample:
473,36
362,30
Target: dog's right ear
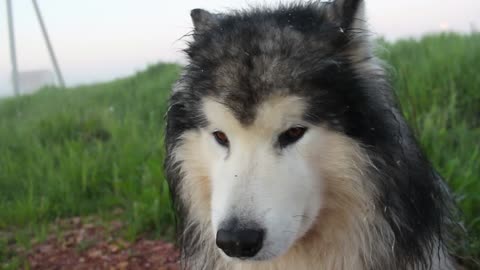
203,20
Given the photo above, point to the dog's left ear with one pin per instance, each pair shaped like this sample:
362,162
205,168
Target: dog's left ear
203,20
350,12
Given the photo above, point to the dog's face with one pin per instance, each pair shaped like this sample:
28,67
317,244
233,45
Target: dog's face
264,179
261,185
262,126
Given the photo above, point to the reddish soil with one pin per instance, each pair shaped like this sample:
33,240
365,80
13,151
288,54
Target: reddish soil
82,246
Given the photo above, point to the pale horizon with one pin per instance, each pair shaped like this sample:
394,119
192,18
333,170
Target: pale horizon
103,40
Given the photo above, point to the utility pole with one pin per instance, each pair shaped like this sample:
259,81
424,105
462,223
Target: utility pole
49,45
13,53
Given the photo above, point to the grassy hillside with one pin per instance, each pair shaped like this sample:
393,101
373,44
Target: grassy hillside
84,151
92,149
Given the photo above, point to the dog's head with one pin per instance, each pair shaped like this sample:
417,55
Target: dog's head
267,125
263,108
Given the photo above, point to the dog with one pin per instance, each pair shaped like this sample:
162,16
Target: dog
286,149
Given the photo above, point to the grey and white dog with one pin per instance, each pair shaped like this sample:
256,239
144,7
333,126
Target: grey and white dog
286,149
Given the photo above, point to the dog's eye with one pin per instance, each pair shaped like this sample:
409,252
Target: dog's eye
221,138
291,136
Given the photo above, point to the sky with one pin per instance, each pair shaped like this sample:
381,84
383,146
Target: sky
102,40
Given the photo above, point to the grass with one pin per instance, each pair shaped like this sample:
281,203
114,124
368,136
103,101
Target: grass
91,149
85,151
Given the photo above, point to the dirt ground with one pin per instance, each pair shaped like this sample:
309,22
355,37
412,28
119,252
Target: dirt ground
82,245
86,244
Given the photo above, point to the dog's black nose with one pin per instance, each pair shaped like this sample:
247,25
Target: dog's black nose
244,243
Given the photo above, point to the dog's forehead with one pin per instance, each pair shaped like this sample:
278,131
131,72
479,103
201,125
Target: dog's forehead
246,80
244,59
251,65
276,112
